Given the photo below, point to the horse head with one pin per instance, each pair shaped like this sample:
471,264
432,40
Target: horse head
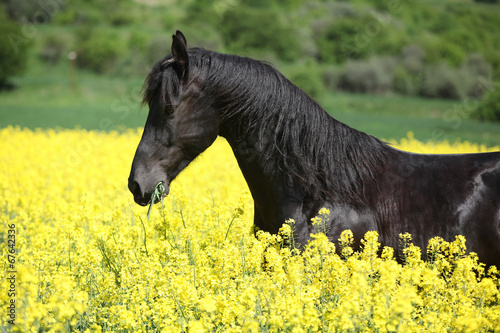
180,124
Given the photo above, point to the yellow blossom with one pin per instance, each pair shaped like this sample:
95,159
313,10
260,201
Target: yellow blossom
88,259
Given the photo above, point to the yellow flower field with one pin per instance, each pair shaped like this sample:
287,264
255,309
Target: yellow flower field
79,255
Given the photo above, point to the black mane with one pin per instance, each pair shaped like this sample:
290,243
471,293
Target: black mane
284,118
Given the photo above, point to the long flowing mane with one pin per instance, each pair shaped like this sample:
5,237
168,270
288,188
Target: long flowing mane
296,134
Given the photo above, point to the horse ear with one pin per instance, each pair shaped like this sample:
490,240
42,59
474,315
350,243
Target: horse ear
180,35
179,51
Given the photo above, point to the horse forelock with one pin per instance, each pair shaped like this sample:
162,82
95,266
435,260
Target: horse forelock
162,79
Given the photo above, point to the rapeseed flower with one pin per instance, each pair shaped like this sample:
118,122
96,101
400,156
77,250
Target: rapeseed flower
89,260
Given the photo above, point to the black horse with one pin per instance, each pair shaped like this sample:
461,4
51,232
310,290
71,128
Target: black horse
297,159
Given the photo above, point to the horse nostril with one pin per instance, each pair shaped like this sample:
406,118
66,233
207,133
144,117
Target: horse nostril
134,187
140,197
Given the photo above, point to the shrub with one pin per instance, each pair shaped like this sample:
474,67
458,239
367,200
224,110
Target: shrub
413,77
121,13
489,106
412,58
477,65
405,82
466,39
80,14
206,11
372,76
251,29
122,18
438,49
337,43
35,11
331,77
14,48
158,48
100,50
441,81
54,48
408,73
360,36
479,74
309,79
389,41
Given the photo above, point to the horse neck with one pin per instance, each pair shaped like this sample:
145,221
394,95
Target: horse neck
304,151
281,137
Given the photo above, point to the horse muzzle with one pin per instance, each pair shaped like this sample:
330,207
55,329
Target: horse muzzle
144,194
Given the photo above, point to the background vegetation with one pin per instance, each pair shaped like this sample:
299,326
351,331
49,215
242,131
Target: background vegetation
440,55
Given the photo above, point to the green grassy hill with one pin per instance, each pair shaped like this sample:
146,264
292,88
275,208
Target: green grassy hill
390,53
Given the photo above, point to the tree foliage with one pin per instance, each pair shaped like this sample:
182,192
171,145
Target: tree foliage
254,29
14,46
430,45
100,50
489,106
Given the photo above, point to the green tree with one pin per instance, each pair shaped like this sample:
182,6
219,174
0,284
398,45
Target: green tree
489,106
34,11
100,50
259,29
341,40
14,47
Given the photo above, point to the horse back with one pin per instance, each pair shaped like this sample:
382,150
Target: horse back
445,196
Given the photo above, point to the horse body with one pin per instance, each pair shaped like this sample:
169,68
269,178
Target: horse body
297,159
424,195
